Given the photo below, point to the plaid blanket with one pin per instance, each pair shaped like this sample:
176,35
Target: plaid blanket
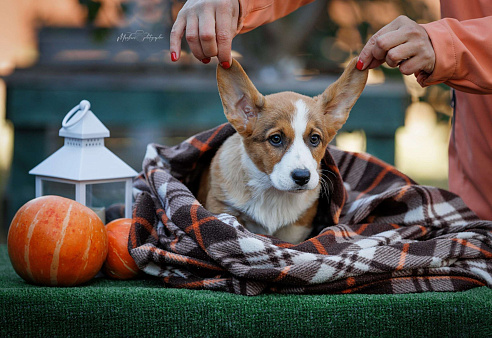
375,232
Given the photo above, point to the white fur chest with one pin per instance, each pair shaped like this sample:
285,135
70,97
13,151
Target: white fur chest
272,210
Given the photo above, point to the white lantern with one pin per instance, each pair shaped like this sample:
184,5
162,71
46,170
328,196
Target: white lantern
84,169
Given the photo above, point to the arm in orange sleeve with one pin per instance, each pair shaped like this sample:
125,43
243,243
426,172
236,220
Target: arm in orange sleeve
463,54
255,13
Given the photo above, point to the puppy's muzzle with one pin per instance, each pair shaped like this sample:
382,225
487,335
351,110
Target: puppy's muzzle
301,176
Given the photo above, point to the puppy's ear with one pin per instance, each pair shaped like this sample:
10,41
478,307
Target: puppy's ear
241,100
339,98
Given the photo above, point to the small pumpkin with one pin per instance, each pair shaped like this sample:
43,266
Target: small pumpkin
119,264
56,241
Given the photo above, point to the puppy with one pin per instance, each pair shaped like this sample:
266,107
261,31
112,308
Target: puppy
268,174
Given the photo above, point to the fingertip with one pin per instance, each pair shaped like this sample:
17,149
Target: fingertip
360,64
225,59
174,57
175,37
365,56
174,49
226,64
363,61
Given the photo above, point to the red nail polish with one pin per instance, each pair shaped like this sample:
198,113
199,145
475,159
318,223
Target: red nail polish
225,65
206,60
360,65
174,57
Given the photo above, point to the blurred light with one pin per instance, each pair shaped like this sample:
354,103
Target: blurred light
82,55
3,96
236,54
421,146
6,134
376,76
26,57
354,141
6,145
305,74
380,13
420,118
126,56
413,87
6,68
345,13
349,39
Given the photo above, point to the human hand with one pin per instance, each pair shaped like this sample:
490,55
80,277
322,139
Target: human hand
210,26
402,43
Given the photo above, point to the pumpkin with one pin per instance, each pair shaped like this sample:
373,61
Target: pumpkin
119,264
56,241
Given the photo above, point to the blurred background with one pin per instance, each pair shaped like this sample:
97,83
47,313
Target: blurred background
115,54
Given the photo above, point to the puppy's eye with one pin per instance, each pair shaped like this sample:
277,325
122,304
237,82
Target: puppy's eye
314,139
275,140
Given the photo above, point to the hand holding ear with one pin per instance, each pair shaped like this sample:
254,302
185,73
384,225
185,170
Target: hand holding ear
402,43
210,26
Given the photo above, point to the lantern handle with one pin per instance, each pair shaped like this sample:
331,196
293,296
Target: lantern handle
76,114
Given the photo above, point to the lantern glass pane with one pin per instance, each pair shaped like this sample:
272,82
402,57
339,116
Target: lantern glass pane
107,200
59,189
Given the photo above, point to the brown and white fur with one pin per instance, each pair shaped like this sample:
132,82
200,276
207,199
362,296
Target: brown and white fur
268,174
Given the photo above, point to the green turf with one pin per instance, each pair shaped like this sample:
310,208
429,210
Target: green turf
105,307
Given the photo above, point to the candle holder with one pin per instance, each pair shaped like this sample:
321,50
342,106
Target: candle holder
84,169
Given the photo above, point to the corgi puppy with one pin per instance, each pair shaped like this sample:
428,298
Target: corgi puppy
268,174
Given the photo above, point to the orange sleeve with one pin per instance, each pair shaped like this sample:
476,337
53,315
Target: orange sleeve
255,13
463,54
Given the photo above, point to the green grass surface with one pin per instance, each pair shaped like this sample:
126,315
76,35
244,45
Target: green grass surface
106,307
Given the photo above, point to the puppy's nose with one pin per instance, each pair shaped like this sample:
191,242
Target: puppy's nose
300,176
